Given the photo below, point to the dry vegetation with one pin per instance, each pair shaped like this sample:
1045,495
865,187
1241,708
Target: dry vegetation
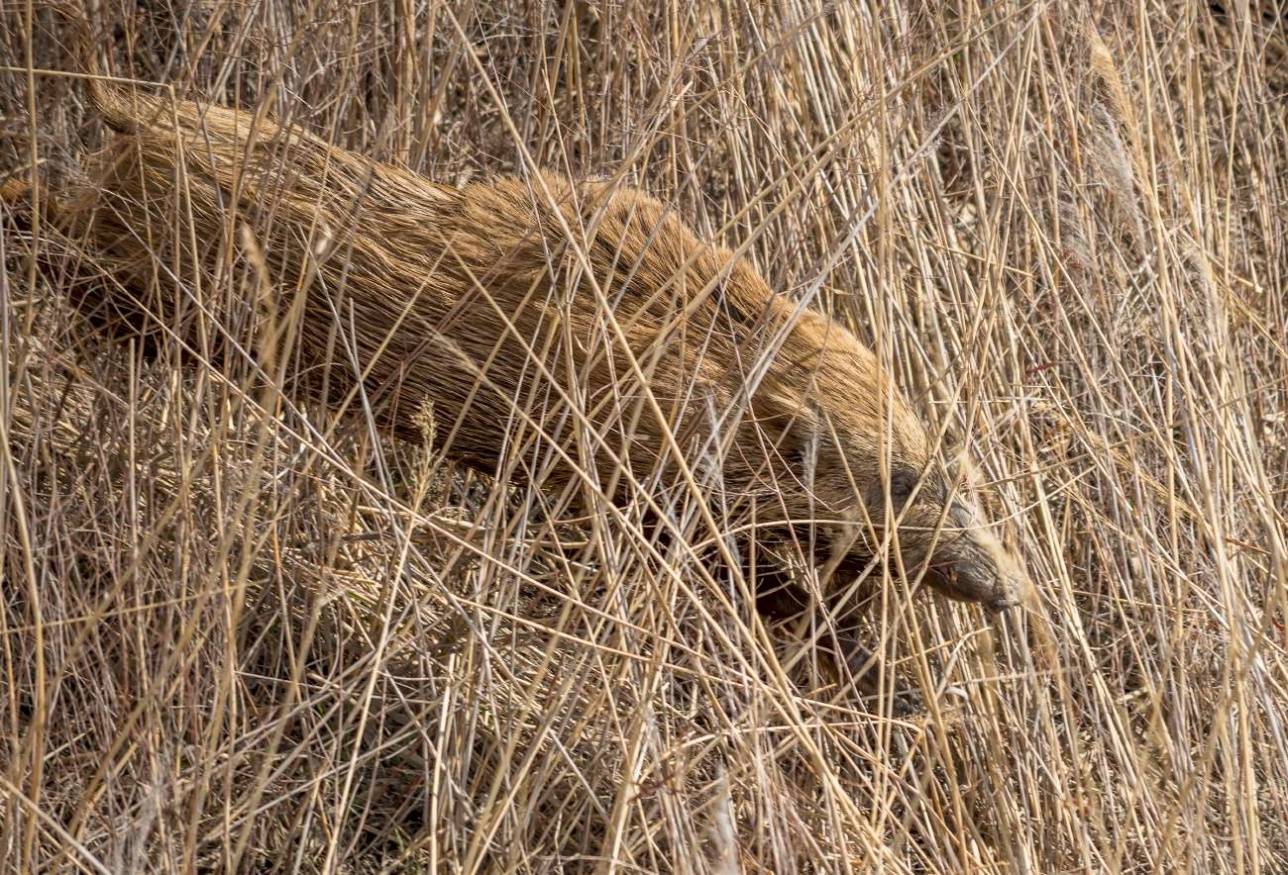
239,630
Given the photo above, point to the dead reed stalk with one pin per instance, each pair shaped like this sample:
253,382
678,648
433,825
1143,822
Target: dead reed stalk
240,629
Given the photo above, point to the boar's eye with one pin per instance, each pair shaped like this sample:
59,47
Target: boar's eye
902,482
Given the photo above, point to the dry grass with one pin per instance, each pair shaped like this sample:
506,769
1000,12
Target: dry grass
240,631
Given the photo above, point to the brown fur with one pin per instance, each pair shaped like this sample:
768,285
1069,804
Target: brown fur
529,307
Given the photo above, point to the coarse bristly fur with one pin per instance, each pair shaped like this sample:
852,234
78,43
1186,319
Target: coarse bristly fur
521,308
247,627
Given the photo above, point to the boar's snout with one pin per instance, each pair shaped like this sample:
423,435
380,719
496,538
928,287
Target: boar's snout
971,564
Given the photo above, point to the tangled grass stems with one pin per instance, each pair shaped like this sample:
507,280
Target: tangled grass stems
245,630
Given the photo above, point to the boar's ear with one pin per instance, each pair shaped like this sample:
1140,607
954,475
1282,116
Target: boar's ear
803,439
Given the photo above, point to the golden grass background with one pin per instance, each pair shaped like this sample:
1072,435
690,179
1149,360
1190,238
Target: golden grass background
240,632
